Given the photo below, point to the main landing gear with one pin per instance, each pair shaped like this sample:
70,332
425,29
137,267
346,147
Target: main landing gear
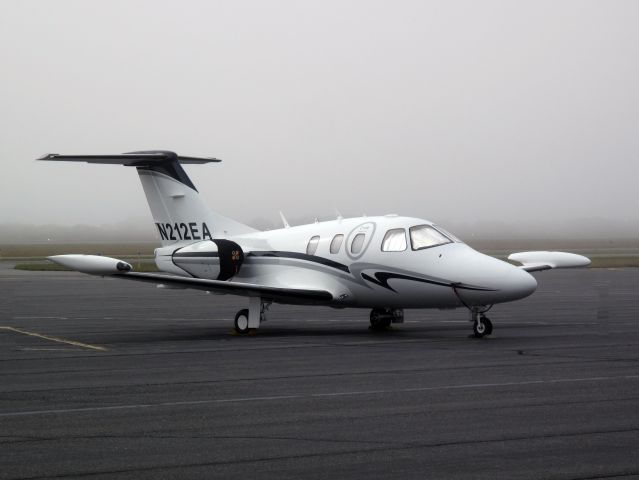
249,319
381,318
482,325
242,321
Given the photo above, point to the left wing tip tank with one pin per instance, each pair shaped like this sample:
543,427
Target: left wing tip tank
92,264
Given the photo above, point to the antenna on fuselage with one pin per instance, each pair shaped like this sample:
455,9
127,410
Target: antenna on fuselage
286,225
339,215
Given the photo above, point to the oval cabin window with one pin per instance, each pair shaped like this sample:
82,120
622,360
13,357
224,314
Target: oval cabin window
311,248
336,243
357,243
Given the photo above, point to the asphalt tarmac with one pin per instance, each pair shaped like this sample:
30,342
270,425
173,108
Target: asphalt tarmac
107,379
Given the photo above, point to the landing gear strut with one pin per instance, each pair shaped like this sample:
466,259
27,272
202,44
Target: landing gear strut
482,325
381,318
250,318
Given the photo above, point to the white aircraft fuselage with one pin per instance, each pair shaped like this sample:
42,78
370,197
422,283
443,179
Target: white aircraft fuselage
448,275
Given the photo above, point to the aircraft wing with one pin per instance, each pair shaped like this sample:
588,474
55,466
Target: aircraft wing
537,261
112,267
277,294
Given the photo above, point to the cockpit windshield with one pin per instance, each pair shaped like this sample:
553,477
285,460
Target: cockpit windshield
454,238
426,236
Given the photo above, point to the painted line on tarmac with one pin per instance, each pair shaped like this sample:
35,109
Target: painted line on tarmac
55,339
50,349
312,395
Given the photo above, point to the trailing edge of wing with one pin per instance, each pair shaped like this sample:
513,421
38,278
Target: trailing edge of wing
537,261
234,288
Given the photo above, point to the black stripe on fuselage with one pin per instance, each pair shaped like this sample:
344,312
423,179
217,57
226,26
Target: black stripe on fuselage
271,254
179,254
301,256
382,278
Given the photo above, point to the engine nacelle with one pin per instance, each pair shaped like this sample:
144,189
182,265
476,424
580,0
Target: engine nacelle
217,259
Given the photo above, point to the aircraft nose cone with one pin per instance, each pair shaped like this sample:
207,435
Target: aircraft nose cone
489,280
520,284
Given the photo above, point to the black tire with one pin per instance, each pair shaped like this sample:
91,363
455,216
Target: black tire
482,327
379,319
242,321
489,325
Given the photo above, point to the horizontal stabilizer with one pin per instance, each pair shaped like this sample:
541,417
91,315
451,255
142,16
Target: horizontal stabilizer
132,159
537,261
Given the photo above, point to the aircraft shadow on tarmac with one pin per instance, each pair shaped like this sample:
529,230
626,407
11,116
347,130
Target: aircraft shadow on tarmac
453,333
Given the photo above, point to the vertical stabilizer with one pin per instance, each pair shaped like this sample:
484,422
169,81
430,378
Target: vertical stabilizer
178,211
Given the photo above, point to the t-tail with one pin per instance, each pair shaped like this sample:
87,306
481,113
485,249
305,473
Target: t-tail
178,211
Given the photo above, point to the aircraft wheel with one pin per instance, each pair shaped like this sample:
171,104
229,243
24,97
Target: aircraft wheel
242,321
489,325
482,327
380,319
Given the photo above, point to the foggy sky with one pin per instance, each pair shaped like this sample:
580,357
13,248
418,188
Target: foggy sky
454,111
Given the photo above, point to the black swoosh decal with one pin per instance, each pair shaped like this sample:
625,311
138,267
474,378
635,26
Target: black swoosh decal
301,256
382,278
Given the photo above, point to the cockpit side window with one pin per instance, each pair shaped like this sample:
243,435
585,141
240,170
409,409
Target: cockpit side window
425,236
336,243
357,243
311,248
394,240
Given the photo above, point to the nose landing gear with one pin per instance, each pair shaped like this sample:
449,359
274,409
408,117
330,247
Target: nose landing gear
482,325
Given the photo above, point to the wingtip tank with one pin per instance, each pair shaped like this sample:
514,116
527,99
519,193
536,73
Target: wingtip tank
550,259
92,264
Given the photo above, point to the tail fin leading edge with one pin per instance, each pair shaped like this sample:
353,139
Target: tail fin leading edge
179,213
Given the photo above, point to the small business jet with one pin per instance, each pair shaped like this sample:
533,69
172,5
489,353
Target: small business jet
386,264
